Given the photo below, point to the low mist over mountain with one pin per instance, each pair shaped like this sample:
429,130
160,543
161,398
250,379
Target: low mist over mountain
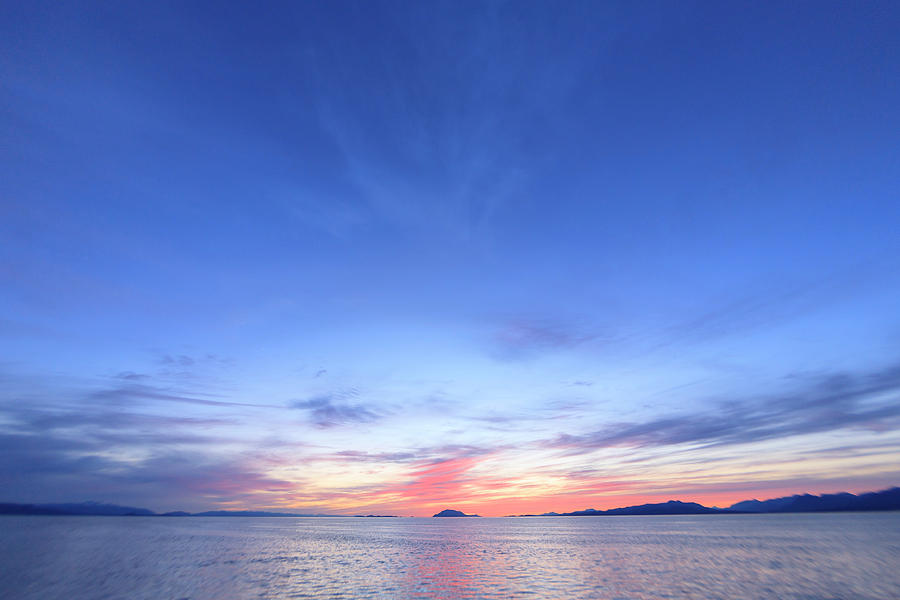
884,500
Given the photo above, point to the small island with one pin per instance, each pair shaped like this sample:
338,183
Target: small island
453,513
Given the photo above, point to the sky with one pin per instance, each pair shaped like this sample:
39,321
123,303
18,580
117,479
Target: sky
396,257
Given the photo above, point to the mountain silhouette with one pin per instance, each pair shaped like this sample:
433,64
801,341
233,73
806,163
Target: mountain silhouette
884,500
672,507
74,508
98,508
888,499
452,513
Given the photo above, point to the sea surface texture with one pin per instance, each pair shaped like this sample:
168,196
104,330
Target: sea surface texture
822,556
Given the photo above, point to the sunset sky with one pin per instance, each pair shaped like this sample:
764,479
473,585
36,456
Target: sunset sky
395,257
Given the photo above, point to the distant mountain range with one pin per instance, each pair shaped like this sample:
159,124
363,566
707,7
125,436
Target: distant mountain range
884,500
72,508
672,507
108,510
888,499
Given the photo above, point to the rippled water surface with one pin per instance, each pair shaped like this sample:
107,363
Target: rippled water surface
851,556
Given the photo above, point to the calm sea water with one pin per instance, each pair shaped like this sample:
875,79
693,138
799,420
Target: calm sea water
847,556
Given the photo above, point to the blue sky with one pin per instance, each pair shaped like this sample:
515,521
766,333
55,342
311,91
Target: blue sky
397,255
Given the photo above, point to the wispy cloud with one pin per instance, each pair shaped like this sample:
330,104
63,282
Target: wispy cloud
332,410
117,458
523,338
131,437
134,393
375,457
419,454
836,401
439,148
767,303
436,481
131,376
181,360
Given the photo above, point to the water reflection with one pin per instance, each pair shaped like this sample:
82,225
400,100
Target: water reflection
454,563
748,556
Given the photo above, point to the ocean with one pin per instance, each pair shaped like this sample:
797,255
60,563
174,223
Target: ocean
853,556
